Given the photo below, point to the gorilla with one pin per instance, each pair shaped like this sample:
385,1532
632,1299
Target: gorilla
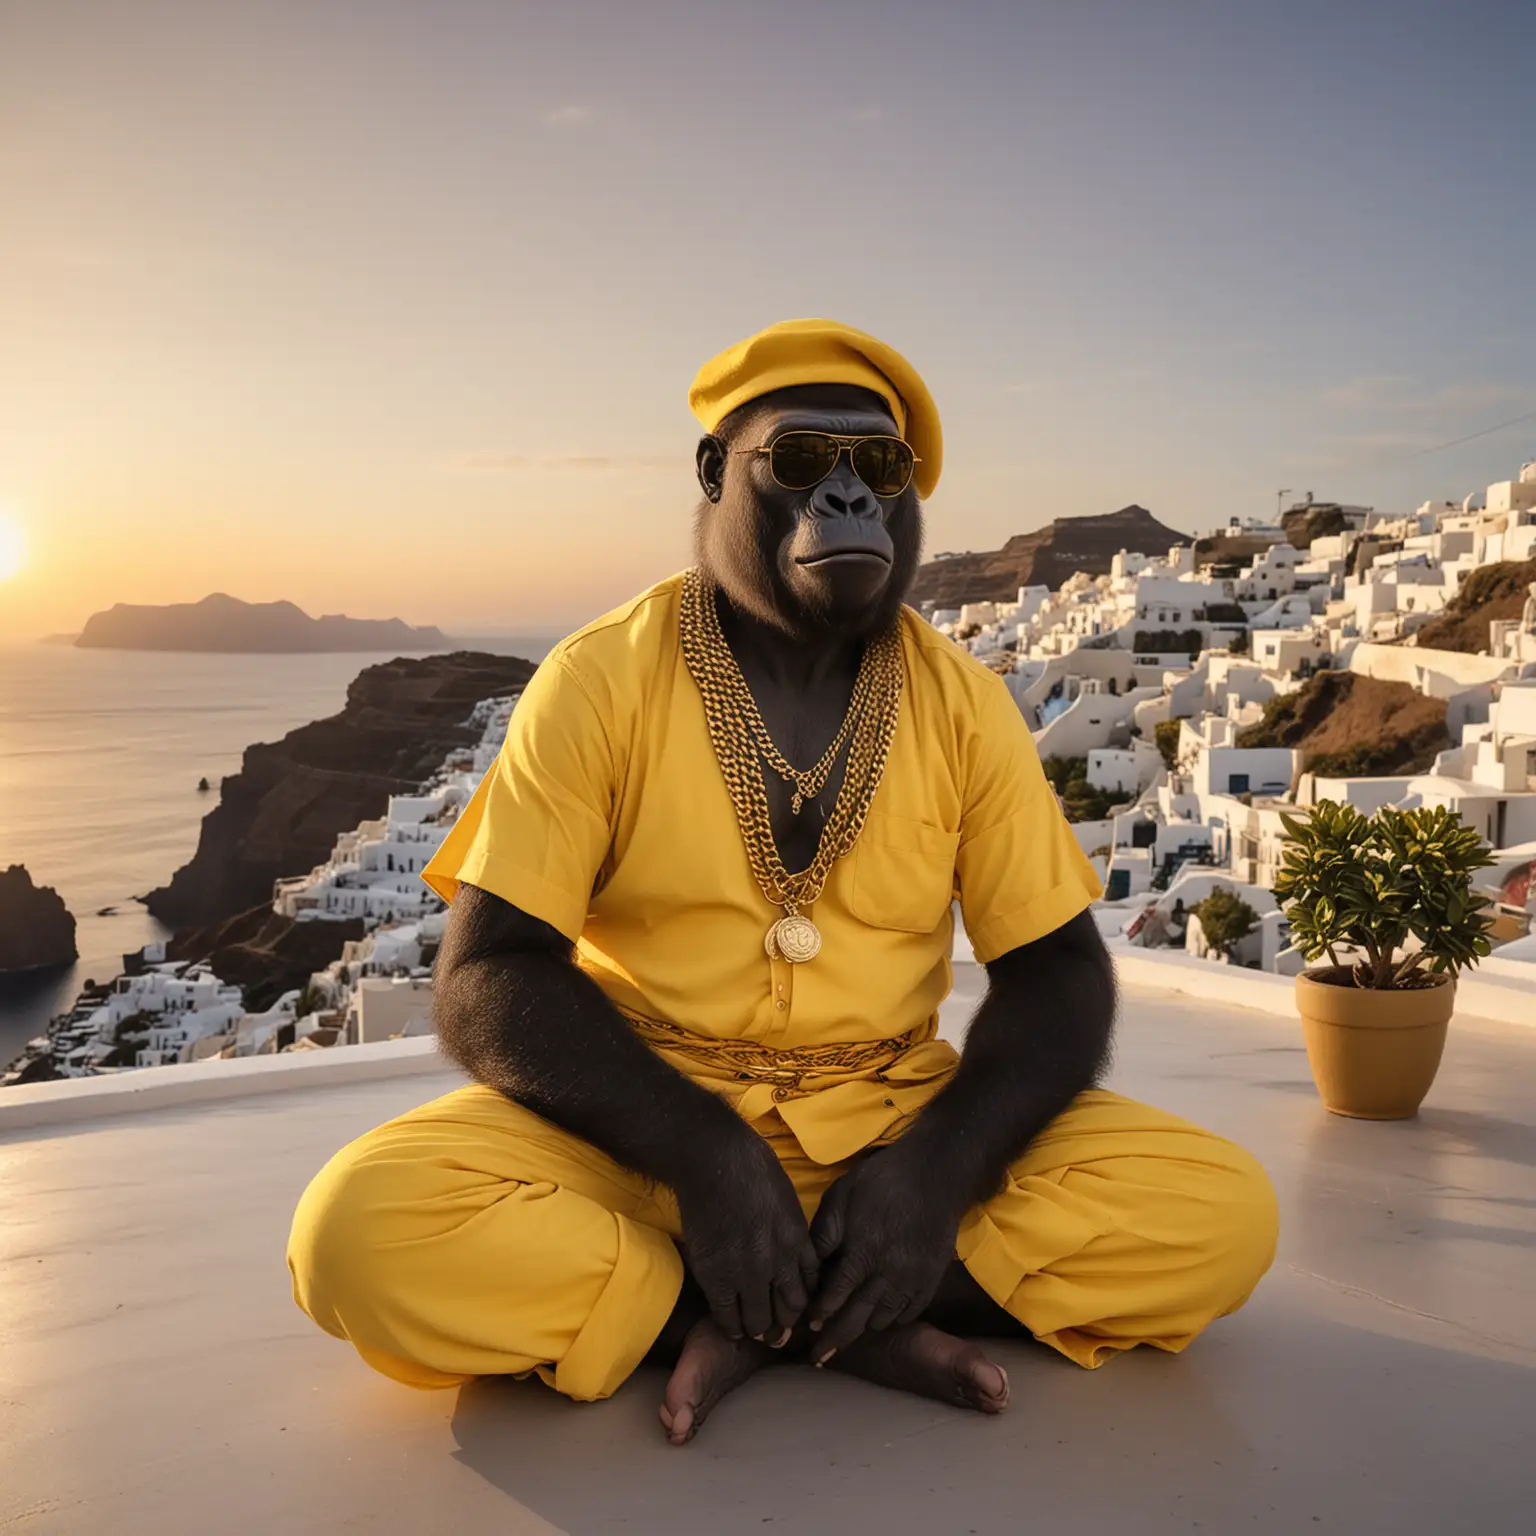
804,578
686,1145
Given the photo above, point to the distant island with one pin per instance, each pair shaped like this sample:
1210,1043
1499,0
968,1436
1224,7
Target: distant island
222,623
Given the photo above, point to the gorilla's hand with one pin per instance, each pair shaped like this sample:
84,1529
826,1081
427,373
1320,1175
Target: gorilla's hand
746,1241
885,1234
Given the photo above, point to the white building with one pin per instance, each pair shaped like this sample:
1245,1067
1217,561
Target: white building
393,1006
153,1019
374,871
1355,599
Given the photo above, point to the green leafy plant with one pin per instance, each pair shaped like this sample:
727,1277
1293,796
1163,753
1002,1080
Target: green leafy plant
1167,642
1225,613
1375,882
1166,735
1068,776
1225,919
136,1024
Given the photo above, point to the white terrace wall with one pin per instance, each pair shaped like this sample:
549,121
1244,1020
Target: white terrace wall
1091,721
1440,674
1366,795
1103,665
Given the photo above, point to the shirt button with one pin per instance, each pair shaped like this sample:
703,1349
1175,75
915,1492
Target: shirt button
889,1103
780,1003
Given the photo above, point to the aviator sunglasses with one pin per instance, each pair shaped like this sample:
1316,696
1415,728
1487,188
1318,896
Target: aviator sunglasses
799,460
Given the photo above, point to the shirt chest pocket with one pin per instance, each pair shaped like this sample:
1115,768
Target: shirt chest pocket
903,873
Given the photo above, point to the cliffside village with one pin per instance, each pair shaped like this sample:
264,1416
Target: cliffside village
1181,703
164,1012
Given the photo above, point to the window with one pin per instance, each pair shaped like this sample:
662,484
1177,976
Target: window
1237,784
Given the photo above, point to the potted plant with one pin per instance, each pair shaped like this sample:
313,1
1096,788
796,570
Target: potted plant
1396,890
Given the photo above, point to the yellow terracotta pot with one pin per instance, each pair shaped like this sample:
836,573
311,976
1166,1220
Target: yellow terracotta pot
1373,1054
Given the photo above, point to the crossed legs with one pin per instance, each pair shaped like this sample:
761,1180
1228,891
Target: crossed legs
470,1238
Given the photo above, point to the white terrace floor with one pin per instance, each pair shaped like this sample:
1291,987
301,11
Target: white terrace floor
157,1378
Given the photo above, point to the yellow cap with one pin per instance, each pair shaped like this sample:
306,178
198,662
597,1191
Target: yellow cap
823,352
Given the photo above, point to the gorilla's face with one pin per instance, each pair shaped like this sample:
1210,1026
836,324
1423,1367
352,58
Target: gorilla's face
834,560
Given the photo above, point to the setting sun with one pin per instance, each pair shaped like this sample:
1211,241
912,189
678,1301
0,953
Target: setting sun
12,547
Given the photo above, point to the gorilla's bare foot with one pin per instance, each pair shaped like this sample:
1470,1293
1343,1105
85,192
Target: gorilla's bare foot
920,1358
710,1365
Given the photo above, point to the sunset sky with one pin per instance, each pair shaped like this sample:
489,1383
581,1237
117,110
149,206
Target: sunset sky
391,308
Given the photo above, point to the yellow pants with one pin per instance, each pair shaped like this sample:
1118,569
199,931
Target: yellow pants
470,1238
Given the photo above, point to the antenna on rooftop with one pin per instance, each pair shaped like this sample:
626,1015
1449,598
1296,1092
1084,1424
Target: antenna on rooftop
1280,502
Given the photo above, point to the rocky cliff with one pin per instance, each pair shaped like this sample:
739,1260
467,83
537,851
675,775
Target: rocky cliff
37,931
1043,558
281,814
221,623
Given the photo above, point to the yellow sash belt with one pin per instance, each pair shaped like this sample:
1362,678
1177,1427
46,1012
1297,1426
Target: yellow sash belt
786,1070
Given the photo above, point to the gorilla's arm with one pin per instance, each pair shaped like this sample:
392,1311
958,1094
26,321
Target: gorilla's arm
1039,1038
516,1013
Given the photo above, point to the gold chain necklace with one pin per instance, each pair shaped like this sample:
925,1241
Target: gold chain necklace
810,781
738,734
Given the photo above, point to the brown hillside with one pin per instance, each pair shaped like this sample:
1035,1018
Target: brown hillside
1490,592
1349,726
265,953
1045,557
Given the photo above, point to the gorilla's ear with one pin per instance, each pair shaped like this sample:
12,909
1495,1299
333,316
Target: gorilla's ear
710,462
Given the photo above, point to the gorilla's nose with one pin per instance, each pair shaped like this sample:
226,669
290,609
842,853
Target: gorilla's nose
840,498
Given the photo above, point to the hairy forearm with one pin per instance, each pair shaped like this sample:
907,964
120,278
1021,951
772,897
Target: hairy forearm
1039,1038
533,1026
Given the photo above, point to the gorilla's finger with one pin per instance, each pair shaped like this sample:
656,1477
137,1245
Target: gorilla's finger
789,1298
850,1322
810,1266
725,1308
829,1222
890,1309
756,1303
845,1279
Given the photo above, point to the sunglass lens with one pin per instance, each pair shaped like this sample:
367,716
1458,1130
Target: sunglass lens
802,459
884,464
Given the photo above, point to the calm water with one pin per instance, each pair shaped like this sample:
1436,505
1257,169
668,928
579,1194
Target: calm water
100,755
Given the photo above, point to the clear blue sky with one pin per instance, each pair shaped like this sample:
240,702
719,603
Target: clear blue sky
342,301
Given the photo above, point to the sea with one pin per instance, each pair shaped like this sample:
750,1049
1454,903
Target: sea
101,753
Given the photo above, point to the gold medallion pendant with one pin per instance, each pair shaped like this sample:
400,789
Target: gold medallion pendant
794,938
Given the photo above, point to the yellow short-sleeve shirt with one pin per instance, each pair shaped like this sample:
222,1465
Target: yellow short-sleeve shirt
606,816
